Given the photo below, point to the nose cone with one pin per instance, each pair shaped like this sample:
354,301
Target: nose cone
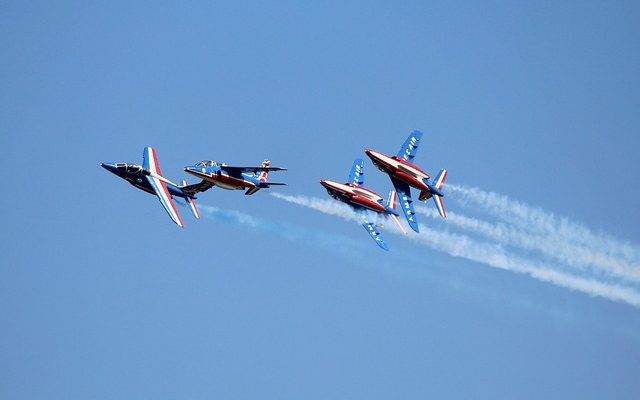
370,153
324,183
109,167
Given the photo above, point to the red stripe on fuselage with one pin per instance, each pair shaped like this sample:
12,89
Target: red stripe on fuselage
370,204
226,179
410,180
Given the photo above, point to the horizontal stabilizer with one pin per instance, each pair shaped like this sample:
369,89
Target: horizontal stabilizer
267,184
440,206
192,203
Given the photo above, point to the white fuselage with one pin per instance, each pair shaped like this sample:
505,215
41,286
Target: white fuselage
359,196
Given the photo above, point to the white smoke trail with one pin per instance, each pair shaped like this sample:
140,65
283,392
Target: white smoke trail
558,249
532,228
330,207
342,244
495,256
485,253
534,219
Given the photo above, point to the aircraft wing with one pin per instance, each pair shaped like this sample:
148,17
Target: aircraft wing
404,194
356,176
150,161
165,198
203,186
373,231
410,147
237,170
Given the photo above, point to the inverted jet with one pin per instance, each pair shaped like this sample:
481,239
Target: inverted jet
405,175
363,200
229,177
148,177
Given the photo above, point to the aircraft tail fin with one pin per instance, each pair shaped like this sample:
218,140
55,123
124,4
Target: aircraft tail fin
442,175
252,190
192,203
262,176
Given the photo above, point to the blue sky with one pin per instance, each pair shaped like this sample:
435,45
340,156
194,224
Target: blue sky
102,296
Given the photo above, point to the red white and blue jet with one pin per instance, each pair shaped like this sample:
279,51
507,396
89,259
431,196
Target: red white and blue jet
363,200
234,178
148,177
405,175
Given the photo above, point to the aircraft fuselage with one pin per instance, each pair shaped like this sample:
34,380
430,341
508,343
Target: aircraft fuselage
356,196
399,169
135,175
222,179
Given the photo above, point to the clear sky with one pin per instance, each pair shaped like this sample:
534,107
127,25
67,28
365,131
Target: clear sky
103,297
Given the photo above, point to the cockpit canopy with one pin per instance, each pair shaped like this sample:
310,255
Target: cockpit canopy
131,168
207,164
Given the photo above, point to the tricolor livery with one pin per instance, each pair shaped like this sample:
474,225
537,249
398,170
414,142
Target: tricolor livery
405,175
228,177
148,177
362,199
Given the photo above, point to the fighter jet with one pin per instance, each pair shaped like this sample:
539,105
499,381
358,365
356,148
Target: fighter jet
363,200
148,177
234,178
405,175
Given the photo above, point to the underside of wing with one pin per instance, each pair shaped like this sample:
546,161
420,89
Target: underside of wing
374,231
410,147
203,186
406,202
356,175
160,188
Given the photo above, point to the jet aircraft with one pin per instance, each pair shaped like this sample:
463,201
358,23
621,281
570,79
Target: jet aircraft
405,175
234,178
362,199
148,177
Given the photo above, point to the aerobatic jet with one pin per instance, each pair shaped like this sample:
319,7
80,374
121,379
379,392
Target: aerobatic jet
148,177
363,200
234,178
405,175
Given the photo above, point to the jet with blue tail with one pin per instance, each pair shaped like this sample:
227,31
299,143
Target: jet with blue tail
229,177
405,175
148,177
363,200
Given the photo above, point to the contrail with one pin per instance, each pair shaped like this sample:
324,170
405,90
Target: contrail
489,254
558,248
534,219
534,229
330,207
339,243
495,256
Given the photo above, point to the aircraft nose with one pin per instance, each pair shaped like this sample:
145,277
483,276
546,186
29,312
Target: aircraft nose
109,167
